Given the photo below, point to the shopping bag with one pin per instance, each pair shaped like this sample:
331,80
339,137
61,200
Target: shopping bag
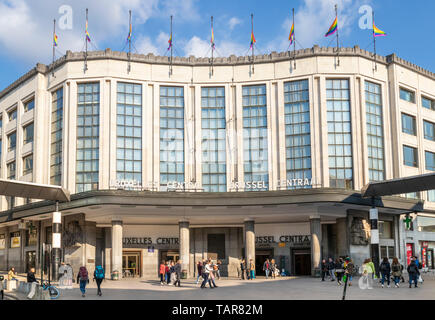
420,279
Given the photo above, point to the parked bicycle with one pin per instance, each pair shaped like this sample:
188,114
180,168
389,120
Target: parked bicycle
52,290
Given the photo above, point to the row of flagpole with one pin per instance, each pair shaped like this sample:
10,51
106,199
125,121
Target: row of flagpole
292,39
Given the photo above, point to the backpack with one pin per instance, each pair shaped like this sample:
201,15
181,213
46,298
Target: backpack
99,272
395,268
384,267
83,274
412,268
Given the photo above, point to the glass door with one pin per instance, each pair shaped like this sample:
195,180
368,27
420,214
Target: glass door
131,264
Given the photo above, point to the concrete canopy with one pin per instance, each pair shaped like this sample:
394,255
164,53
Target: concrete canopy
13,188
399,186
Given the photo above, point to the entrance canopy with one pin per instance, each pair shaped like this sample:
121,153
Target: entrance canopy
13,188
399,186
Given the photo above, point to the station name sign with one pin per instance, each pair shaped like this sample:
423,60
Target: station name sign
283,239
149,240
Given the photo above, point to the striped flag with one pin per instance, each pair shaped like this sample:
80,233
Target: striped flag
88,37
333,29
253,41
291,37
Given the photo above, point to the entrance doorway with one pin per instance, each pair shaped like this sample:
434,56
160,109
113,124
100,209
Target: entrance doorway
260,257
170,255
131,262
301,262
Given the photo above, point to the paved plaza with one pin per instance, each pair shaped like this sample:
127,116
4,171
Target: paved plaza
291,288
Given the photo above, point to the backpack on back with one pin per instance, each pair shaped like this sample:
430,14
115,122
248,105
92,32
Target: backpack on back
99,272
83,274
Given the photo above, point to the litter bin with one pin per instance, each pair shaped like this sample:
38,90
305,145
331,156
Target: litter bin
115,275
183,274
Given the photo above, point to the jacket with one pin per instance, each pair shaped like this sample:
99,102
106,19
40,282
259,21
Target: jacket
324,267
251,266
385,267
162,269
199,268
242,265
349,267
331,265
177,269
31,277
397,270
413,268
208,268
81,275
11,275
266,266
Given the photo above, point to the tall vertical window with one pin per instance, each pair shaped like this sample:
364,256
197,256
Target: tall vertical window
28,164
11,170
56,137
87,136
375,135
213,140
12,141
255,145
410,156
430,160
28,133
297,130
429,130
408,124
171,135
339,134
129,132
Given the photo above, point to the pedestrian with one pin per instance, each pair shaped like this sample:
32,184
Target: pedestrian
397,271
218,269
251,269
385,269
162,271
349,269
31,276
372,266
413,273
324,269
69,276
273,268
243,269
177,271
172,275
62,276
331,269
367,273
199,269
212,275
266,268
339,270
167,272
12,274
401,269
99,276
207,270
83,279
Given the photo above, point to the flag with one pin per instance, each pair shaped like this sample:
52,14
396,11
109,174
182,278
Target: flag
291,38
170,42
55,40
378,32
129,34
212,39
333,28
88,37
253,41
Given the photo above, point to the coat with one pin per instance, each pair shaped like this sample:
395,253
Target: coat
162,269
397,270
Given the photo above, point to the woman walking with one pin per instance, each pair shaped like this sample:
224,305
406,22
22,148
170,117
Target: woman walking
385,269
339,270
397,271
367,274
349,268
162,272
251,269
83,279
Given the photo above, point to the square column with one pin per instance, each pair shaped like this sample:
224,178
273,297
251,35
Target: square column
249,241
117,246
316,248
184,245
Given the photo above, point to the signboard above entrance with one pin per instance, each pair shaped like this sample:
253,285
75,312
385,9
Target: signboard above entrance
284,239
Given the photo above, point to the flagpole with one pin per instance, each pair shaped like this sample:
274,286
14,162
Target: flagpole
253,42
129,45
86,42
374,42
172,41
212,45
294,39
54,46
338,42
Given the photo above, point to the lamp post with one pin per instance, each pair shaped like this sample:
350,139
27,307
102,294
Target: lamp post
56,242
374,235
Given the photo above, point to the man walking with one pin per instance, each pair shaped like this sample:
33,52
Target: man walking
413,273
266,268
177,270
331,269
243,269
99,276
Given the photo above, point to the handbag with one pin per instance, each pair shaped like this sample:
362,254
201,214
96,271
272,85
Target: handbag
420,279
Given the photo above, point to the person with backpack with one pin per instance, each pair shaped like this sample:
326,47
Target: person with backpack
396,271
83,279
385,269
349,268
413,273
99,276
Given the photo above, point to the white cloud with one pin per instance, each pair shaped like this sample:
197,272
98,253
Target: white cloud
197,47
145,45
233,22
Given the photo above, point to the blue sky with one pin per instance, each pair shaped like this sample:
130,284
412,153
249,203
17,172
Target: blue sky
26,27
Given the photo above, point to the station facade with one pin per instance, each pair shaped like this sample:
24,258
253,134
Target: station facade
246,159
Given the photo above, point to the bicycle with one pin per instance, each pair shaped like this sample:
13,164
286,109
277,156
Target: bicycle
52,290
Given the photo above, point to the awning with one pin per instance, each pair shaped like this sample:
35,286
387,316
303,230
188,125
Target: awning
14,188
399,186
